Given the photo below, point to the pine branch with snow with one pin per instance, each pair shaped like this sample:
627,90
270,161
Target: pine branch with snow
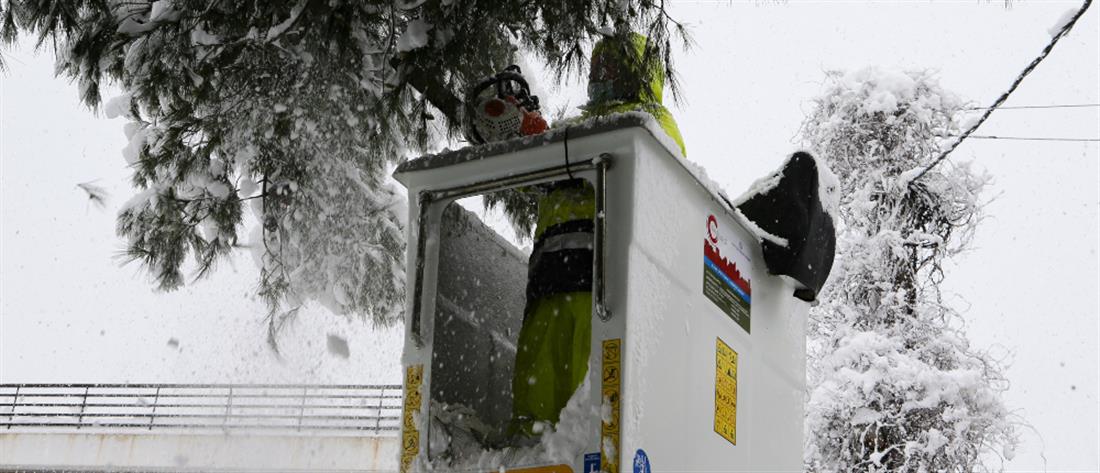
896,385
296,111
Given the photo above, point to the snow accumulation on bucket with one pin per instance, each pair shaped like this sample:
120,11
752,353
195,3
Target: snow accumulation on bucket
454,429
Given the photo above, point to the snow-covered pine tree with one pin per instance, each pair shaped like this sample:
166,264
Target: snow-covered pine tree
895,386
296,109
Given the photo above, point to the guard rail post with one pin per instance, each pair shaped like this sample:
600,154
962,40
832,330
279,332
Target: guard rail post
83,405
14,402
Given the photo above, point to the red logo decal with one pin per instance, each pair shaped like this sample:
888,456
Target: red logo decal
712,229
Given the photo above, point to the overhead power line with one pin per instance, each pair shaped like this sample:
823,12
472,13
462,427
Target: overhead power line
1024,138
1027,107
1001,100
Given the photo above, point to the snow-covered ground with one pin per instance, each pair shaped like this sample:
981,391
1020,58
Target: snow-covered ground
1029,290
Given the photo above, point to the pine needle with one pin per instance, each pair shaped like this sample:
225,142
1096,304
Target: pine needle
97,195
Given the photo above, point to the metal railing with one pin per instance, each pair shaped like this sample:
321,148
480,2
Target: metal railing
344,409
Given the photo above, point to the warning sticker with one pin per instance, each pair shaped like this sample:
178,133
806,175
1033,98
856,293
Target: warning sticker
726,269
611,382
410,436
725,392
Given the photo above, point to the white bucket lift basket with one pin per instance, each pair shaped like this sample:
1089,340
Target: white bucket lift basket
697,353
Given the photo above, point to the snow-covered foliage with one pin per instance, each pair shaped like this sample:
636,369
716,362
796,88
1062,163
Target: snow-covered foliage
895,386
297,109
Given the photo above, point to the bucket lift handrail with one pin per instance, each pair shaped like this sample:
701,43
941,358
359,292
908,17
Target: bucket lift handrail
425,198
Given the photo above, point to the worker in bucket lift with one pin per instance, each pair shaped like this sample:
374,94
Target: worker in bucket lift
555,338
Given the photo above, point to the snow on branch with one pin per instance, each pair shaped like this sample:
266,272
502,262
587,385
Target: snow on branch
895,387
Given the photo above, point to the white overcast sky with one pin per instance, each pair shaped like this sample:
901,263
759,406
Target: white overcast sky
1029,290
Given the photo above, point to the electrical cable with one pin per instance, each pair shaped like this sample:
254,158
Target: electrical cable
1000,100
1027,107
1024,138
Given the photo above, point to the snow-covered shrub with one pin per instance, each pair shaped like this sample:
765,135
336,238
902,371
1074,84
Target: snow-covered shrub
895,384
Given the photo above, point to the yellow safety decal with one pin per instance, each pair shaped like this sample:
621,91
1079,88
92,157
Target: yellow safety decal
725,393
410,437
612,399
540,469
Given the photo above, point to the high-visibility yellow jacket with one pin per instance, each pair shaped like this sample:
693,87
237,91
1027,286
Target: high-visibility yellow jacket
555,339
619,94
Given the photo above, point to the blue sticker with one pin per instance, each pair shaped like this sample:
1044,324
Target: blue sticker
641,462
592,462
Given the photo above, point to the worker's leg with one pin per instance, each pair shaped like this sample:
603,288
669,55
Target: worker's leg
582,338
551,358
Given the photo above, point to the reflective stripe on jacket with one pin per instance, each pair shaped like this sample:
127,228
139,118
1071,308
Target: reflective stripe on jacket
561,260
